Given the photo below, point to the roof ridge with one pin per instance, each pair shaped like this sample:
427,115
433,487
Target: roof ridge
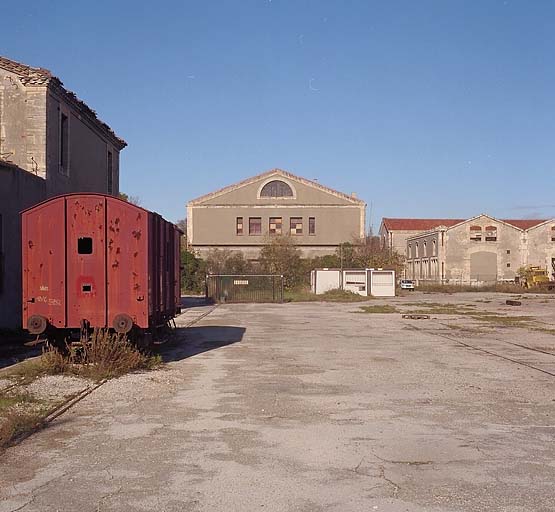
41,76
274,171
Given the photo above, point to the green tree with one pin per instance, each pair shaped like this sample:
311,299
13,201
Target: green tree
281,256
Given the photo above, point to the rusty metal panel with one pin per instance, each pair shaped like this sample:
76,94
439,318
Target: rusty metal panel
86,259
44,259
127,262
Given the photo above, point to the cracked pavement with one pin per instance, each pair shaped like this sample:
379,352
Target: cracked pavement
306,407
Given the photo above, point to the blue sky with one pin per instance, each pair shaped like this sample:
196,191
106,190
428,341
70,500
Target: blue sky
424,108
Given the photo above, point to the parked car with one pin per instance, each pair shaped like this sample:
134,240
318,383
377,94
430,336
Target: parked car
407,284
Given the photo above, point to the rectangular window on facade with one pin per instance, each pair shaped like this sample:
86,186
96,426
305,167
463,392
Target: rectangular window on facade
275,226
255,225
239,226
508,265
64,144
84,245
110,166
296,225
553,234
312,225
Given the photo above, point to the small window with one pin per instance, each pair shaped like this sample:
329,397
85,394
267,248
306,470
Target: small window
110,171
255,225
275,226
84,245
553,234
434,249
239,226
508,265
87,288
296,225
312,225
64,144
491,234
476,233
508,251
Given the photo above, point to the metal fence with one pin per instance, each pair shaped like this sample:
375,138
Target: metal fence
244,288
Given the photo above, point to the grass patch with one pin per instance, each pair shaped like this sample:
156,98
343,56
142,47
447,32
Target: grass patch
442,309
497,288
502,320
305,295
379,308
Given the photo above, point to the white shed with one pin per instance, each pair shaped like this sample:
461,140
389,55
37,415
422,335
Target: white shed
382,282
325,279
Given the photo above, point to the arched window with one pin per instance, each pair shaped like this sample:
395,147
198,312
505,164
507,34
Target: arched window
434,249
491,234
276,188
476,233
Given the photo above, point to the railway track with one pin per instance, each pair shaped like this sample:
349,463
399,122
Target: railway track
492,352
74,399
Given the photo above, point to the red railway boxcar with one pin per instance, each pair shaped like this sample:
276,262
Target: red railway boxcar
92,260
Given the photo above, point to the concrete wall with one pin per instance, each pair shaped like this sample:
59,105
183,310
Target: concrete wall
22,124
18,190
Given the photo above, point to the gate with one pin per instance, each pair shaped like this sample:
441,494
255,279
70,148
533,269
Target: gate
244,288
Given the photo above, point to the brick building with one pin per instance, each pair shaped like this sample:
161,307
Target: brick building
243,216
50,143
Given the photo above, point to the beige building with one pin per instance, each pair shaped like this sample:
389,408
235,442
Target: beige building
394,232
480,250
50,143
243,216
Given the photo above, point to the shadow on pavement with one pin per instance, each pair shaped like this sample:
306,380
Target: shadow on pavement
190,341
194,301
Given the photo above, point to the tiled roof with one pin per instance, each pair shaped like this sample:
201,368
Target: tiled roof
30,76
524,223
275,172
418,224
429,224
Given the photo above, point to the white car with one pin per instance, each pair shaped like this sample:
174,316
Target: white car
407,284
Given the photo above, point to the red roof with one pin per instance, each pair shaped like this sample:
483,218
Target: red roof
429,224
524,223
418,224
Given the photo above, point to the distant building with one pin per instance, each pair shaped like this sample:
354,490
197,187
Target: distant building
50,143
394,231
480,250
242,217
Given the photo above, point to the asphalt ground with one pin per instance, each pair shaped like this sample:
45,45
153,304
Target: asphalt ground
312,407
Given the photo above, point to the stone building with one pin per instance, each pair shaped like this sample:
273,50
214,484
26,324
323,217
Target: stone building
480,250
395,231
242,217
50,143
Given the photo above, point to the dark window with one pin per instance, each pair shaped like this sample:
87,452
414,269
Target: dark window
476,233
239,226
110,173
296,225
275,226
508,251
508,265
255,225
553,234
312,225
87,288
64,144
491,234
85,245
276,188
